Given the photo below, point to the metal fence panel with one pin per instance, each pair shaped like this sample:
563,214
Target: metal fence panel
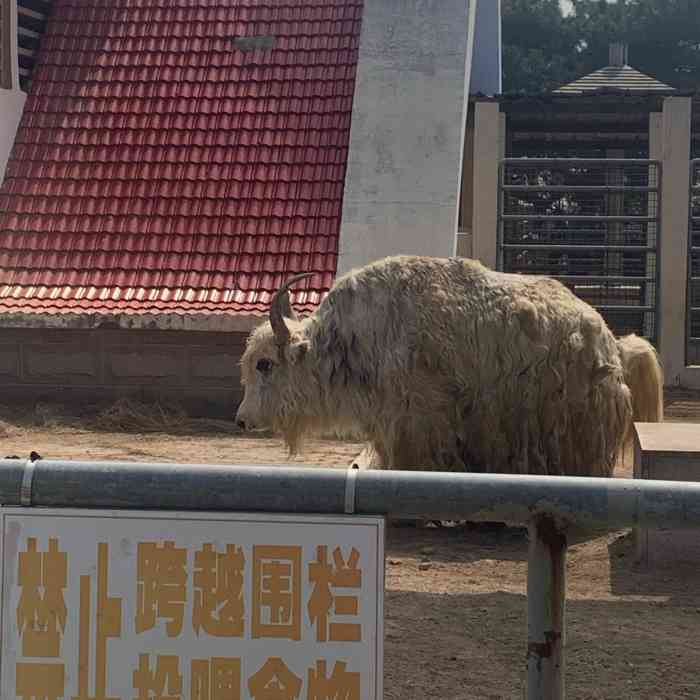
593,224
693,302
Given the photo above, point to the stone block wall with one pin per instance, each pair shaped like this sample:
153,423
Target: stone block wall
200,370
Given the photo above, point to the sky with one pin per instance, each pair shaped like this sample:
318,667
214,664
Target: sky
565,6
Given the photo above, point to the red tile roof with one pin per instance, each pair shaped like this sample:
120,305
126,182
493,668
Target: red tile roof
160,166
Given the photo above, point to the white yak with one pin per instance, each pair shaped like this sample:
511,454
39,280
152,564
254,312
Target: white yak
446,365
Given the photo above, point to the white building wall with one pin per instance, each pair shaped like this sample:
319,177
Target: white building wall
11,106
406,142
11,97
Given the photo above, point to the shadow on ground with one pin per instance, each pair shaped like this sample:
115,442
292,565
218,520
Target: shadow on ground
676,580
459,543
473,646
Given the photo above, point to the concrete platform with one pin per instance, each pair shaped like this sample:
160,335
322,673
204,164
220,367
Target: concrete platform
667,451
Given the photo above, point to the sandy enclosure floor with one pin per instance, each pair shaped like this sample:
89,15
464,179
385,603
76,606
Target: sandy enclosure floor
455,601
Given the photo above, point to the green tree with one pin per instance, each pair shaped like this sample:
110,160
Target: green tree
538,46
663,37
543,49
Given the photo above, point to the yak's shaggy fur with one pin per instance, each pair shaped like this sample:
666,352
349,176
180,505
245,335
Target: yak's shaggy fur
447,365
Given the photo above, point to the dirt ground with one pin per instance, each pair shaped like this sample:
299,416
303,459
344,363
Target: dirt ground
455,597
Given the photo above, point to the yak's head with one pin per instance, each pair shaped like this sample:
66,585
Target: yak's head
272,372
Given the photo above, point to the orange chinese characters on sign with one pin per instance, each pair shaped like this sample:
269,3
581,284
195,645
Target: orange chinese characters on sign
342,685
218,679
274,681
325,576
41,620
276,592
40,681
163,683
109,624
161,589
218,594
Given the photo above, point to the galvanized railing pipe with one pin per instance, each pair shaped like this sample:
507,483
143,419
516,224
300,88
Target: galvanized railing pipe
583,501
548,505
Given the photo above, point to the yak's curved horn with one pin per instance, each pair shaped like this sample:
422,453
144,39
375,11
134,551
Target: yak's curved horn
281,308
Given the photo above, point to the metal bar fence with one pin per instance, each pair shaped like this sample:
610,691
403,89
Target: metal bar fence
547,505
693,293
591,223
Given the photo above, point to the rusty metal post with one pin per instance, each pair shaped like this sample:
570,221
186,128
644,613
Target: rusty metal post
546,595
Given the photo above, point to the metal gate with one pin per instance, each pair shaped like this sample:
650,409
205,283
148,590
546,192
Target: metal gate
693,304
593,224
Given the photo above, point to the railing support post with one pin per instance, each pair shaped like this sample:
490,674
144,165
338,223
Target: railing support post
546,595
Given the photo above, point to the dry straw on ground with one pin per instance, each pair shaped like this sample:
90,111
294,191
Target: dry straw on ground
7,430
131,416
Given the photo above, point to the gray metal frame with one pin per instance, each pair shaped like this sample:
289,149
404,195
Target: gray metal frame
548,505
692,311
603,162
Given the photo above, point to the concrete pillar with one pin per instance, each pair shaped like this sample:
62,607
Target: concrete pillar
655,121
673,146
489,149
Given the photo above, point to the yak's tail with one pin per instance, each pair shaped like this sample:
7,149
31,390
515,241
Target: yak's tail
644,377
